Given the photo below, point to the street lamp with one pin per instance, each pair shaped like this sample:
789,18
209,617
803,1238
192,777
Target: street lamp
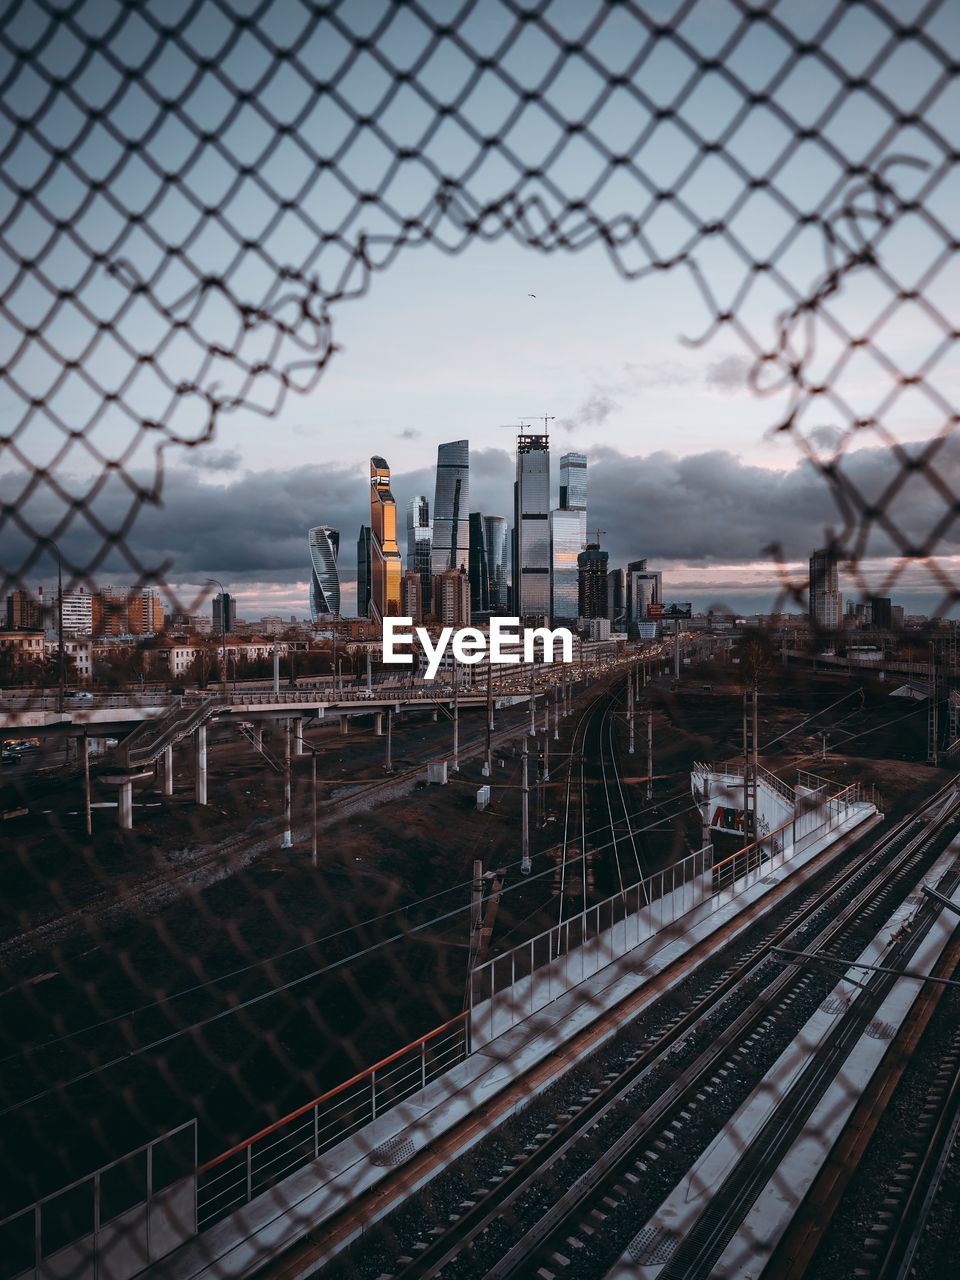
223,633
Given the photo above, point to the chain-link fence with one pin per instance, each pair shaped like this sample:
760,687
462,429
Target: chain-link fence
191,193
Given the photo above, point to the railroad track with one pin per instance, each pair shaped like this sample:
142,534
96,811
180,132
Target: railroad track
701,1248
893,1241
894,1216
597,719
532,1208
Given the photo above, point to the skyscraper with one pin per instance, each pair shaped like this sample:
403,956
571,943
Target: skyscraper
451,506
224,612
531,517
363,572
644,588
324,545
385,564
567,540
568,537
495,536
478,568
617,598
451,597
825,601
419,545
592,574
573,482
24,611
411,587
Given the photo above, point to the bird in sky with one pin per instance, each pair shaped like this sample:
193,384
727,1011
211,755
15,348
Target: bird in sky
531,295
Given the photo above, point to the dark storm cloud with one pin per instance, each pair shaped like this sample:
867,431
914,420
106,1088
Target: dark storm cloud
702,509
716,508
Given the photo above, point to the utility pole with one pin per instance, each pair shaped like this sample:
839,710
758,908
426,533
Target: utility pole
649,755
476,897
369,674
287,840
313,796
456,718
61,661
276,666
388,767
533,702
556,714
546,747
525,822
630,748
87,810
755,757
676,651
746,776
488,766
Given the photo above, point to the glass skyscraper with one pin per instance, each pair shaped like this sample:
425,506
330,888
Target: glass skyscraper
568,537
324,544
385,563
478,568
644,588
531,515
419,546
573,482
617,598
363,572
495,536
592,570
451,507
826,603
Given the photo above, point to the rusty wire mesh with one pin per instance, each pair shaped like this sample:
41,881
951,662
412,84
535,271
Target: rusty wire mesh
190,190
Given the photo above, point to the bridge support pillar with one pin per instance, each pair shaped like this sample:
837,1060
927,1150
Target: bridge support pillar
378,724
125,807
200,762
434,714
258,737
298,736
344,726
168,771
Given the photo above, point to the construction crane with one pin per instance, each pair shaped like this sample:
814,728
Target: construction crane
530,417
597,532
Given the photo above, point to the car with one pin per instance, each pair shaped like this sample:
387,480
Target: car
80,694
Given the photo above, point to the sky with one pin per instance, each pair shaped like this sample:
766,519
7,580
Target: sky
235,196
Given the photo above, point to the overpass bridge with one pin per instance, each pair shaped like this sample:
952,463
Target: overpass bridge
154,723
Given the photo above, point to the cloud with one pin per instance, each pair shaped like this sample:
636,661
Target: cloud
594,412
826,437
642,375
700,510
214,459
728,374
409,433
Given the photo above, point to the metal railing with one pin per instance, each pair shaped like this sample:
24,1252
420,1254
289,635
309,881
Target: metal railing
512,986
734,769
169,731
113,1222
235,1177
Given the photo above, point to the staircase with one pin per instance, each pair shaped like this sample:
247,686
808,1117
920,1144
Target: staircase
271,760
151,739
